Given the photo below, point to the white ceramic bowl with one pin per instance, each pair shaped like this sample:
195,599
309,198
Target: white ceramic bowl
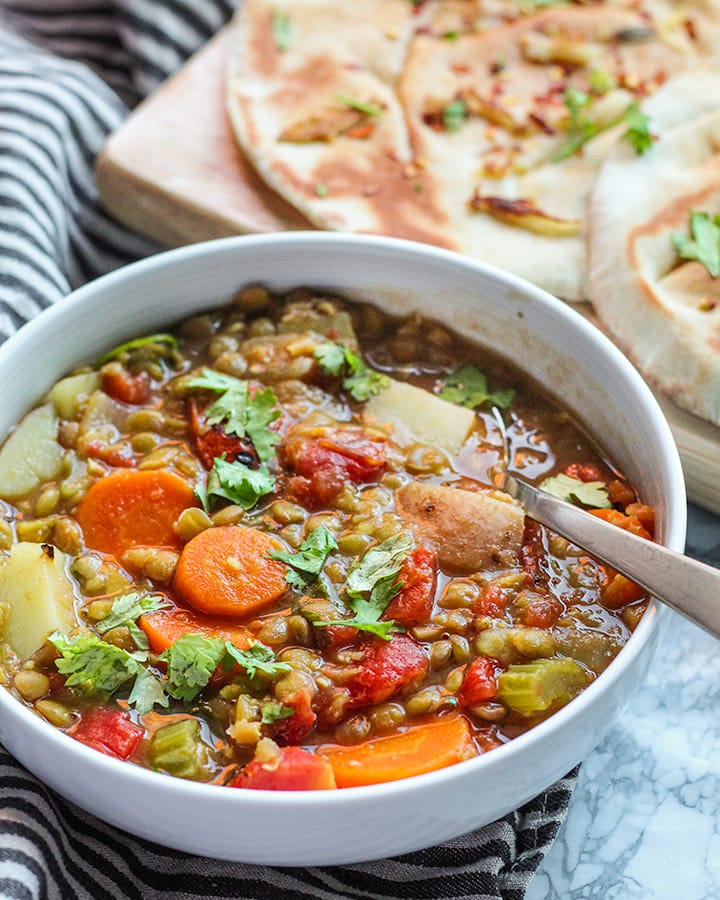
550,340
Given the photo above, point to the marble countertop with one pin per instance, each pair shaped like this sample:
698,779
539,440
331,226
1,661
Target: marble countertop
644,820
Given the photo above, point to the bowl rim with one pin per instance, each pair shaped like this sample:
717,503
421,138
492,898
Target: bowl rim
140,778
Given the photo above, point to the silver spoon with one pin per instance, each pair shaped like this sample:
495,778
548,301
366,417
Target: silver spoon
689,587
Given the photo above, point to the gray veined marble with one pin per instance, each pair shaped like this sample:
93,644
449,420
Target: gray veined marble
644,821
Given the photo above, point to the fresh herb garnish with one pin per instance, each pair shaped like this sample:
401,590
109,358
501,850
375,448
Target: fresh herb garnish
371,585
126,609
236,482
191,661
307,563
704,246
94,665
136,344
368,109
147,692
281,27
273,712
638,132
360,381
256,660
467,386
238,412
583,129
454,115
585,493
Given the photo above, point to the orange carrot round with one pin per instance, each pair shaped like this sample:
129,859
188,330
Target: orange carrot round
226,571
423,748
131,508
165,626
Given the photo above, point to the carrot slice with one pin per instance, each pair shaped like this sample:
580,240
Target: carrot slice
165,626
227,571
132,508
423,748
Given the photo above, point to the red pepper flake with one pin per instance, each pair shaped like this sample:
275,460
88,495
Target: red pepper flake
541,123
690,29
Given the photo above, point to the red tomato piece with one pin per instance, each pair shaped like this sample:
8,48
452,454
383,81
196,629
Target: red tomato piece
121,385
213,441
122,457
294,769
414,603
479,682
540,613
110,731
323,464
385,668
299,725
584,472
534,555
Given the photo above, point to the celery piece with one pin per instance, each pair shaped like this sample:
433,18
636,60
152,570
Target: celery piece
179,750
532,688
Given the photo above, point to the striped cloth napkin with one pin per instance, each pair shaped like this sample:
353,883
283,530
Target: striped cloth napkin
69,72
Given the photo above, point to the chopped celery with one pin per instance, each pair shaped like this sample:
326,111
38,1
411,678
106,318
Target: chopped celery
532,688
178,749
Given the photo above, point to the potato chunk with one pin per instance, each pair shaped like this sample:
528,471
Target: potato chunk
31,455
70,393
417,415
471,531
36,597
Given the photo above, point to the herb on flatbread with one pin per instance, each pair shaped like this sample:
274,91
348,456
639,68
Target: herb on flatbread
281,28
367,109
582,129
592,494
704,246
454,115
467,386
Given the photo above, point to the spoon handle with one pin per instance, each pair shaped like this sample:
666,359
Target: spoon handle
687,586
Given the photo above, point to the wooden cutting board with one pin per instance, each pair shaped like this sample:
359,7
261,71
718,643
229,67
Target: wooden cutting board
173,173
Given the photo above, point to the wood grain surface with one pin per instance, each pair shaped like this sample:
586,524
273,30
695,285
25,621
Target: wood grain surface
174,173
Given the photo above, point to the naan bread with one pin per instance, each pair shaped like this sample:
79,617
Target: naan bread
663,311
488,181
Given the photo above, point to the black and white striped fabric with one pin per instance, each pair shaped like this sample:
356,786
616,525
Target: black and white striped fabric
70,70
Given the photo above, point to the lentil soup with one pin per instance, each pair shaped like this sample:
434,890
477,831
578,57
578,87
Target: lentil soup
263,549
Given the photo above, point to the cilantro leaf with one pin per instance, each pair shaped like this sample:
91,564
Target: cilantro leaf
236,483
147,692
281,27
238,412
454,115
704,246
380,562
360,381
126,609
467,386
94,665
274,712
257,659
638,133
584,493
307,563
191,661
582,129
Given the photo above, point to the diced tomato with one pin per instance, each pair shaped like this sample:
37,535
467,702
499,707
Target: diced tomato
213,441
294,728
122,457
294,769
332,637
541,612
496,594
121,385
584,472
109,730
385,668
479,682
321,465
620,494
415,601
